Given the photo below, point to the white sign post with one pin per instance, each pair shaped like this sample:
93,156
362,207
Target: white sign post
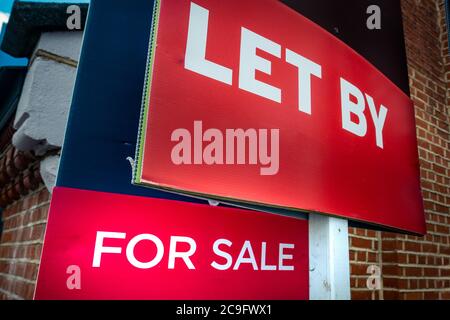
329,268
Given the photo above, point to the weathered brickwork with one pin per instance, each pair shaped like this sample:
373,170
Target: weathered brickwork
417,267
21,244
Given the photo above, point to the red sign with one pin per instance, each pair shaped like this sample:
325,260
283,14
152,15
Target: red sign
251,101
110,246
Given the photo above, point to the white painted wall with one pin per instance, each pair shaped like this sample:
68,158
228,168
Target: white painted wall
43,107
63,44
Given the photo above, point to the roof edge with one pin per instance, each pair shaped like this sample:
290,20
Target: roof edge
29,19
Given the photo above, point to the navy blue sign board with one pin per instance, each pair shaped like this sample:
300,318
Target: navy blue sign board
104,117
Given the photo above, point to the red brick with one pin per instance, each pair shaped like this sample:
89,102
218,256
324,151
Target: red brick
359,269
412,296
31,271
390,295
28,291
391,245
391,270
390,257
445,295
37,232
445,272
372,257
412,246
413,271
352,255
43,196
429,247
361,243
413,284
431,272
444,250
361,295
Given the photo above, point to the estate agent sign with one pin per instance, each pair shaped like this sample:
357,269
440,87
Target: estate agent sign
109,246
247,102
251,101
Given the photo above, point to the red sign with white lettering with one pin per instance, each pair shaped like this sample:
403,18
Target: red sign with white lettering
110,246
251,101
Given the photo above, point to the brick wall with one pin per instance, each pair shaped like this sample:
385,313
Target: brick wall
415,267
24,201
21,244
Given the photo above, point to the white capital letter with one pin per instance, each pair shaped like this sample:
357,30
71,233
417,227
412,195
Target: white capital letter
173,254
247,247
145,265
349,107
306,69
283,256
264,266
250,62
196,48
378,119
222,254
99,248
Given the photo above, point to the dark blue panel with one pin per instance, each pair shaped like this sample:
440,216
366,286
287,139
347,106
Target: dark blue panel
103,121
